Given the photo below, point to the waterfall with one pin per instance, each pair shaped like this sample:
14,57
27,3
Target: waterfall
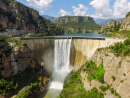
61,63
62,55
13,61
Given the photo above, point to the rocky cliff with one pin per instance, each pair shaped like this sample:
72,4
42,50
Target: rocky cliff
66,19
14,15
117,73
114,25
111,26
15,59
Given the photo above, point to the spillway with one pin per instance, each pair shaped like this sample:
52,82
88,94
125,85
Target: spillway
61,67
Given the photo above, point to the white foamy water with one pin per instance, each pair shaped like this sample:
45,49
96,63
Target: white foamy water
62,55
56,85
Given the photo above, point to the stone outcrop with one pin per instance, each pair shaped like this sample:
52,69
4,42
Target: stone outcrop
14,15
66,19
110,26
23,58
125,24
114,25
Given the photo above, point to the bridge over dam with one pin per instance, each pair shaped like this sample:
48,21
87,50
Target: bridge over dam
81,49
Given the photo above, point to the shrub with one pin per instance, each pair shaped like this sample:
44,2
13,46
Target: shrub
124,74
112,91
10,36
104,88
127,41
23,44
106,55
122,81
95,72
113,78
121,48
1,39
128,14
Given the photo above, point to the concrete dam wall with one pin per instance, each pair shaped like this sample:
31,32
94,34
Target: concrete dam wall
81,50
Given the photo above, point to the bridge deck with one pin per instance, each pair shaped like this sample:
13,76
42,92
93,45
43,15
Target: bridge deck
64,37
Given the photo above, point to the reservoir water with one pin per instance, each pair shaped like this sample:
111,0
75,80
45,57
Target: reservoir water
86,34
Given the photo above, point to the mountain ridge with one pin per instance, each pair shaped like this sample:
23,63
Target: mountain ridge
77,24
51,18
105,21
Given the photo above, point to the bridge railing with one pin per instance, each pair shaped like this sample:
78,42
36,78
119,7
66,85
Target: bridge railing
64,37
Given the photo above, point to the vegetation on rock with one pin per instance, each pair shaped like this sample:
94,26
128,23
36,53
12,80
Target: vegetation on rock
81,27
31,88
74,89
117,28
1,39
77,24
128,14
121,34
121,49
12,83
94,72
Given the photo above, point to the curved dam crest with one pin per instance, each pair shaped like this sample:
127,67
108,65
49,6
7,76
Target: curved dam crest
81,50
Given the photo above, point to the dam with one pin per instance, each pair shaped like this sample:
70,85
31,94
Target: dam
61,55
81,50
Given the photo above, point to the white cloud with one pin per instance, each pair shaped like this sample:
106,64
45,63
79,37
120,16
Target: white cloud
102,9
64,13
121,7
42,11
40,4
80,11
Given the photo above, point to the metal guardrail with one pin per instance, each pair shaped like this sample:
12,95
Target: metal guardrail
64,37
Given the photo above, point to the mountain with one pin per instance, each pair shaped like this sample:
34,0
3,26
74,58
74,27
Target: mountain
14,15
103,21
77,24
48,17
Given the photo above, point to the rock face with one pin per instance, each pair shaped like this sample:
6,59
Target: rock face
110,27
23,58
116,25
126,24
117,67
66,19
14,15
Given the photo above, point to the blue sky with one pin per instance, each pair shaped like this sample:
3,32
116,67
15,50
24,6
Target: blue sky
104,9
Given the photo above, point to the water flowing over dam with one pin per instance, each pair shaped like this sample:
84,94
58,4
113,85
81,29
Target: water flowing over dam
61,66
